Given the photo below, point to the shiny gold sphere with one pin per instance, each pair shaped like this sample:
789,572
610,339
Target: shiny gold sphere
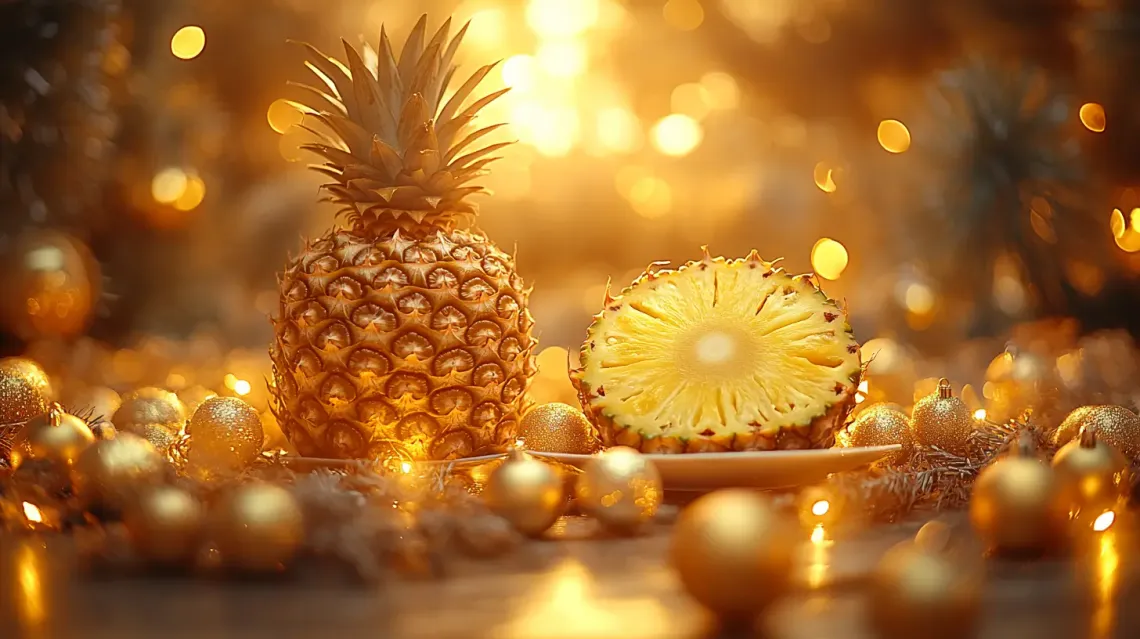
225,434
526,492
880,425
25,391
1115,425
110,471
159,436
919,592
50,283
258,527
942,420
1020,506
733,552
149,405
54,436
165,524
621,488
558,428
1092,468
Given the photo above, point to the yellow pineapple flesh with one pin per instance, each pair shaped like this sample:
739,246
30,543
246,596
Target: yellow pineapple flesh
719,355
401,334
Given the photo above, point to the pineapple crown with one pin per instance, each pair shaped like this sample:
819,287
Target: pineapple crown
393,146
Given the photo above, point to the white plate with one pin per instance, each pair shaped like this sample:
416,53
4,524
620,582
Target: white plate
761,469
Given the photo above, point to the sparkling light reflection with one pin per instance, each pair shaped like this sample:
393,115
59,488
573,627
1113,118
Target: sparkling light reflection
32,513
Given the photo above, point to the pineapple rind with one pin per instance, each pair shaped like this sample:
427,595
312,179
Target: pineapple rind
417,348
626,416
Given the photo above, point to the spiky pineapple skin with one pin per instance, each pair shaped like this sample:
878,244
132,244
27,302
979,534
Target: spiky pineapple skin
413,346
819,432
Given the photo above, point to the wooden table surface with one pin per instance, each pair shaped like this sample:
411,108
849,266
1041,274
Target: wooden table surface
577,587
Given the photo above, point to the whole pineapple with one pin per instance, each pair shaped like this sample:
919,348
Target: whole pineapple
719,355
401,334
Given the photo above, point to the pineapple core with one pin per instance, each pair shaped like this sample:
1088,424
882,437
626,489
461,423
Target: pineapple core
719,348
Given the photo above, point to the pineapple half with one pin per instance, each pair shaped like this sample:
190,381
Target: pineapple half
400,334
719,355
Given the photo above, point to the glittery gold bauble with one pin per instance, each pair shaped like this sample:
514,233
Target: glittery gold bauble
149,405
942,420
165,524
621,488
159,436
54,436
108,472
917,591
558,428
258,527
194,396
1019,504
25,391
225,435
1115,425
880,425
733,552
50,283
526,492
1093,469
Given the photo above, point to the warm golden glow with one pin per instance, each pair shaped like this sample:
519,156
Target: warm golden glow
651,197
1116,223
242,387
1106,582
518,72
919,299
820,508
192,195
685,15
829,258
32,513
562,59
861,392
168,185
561,18
405,467
1104,521
564,603
818,557
619,130
980,414
188,42
893,135
677,134
691,99
723,91
1092,116
30,597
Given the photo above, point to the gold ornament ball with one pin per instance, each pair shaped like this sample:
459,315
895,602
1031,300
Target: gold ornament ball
25,391
54,436
526,492
733,552
558,428
917,591
1092,468
880,425
149,405
1115,425
225,434
943,420
258,527
165,524
1020,505
159,435
621,488
50,283
108,472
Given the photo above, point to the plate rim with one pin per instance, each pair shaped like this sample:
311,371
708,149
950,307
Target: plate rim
743,454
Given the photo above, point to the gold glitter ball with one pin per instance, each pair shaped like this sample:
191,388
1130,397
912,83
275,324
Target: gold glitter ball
25,391
1114,425
225,434
159,435
621,488
942,420
880,425
558,428
149,406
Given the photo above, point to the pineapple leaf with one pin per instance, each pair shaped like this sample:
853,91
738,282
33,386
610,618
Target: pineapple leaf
456,102
387,73
445,62
387,157
426,160
332,154
446,131
375,115
427,69
464,161
412,117
331,100
413,48
336,74
355,138
459,146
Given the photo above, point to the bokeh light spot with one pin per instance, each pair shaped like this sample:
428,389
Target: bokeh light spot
192,195
677,135
188,42
829,258
282,114
823,177
168,185
691,99
893,135
685,15
1092,116
724,92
